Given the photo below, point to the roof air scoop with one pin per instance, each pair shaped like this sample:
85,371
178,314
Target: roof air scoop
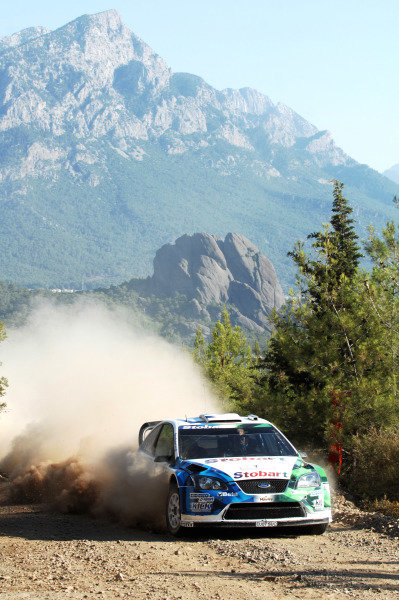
226,418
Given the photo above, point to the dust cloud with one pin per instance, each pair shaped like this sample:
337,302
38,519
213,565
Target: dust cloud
82,380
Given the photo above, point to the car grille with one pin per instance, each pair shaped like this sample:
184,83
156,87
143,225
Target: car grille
251,486
244,511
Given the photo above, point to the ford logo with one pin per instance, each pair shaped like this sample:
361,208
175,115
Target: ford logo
264,485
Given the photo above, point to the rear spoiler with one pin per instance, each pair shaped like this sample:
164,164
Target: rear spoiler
145,427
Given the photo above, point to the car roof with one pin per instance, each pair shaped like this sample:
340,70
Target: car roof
224,420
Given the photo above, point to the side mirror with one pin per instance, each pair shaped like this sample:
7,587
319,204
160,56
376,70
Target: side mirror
164,459
303,454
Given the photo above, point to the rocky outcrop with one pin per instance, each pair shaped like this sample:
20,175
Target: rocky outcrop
208,270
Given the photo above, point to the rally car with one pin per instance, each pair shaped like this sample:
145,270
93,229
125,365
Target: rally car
232,471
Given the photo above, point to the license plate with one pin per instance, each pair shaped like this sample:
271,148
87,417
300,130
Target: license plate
187,524
266,523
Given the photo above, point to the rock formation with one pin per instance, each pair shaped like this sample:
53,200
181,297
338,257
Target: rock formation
209,270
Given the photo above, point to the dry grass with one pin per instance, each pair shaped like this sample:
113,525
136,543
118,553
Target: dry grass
387,507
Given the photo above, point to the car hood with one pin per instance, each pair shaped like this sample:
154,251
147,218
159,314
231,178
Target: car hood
252,467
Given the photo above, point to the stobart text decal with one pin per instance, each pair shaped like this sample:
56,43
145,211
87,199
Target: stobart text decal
246,474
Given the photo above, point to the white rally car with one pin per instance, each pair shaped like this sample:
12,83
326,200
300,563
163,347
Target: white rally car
232,471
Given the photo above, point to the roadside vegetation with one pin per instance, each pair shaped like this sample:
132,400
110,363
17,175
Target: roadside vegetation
329,373
3,380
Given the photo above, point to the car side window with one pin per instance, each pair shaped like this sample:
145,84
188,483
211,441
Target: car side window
165,442
148,446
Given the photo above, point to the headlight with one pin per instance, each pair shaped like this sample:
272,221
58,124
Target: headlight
209,483
309,480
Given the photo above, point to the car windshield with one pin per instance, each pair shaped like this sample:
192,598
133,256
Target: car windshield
245,440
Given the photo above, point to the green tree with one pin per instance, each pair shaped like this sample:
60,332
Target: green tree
199,347
326,341
256,350
336,256
3,380
383,292
227,361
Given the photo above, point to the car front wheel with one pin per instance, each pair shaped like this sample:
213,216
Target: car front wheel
173,511
317,529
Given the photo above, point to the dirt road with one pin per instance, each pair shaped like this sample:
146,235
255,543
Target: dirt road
46,555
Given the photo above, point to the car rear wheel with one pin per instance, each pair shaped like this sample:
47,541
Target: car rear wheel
173,511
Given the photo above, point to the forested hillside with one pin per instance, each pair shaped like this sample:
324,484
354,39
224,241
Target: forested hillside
106,155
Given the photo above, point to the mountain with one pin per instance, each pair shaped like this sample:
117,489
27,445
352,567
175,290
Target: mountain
106,154
393,173
193,279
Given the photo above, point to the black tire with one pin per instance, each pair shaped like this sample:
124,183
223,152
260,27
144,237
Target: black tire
173,511
317,529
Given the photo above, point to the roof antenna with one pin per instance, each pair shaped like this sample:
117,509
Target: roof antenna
186,419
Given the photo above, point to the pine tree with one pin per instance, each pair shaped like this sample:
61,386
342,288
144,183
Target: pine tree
227,361
346,251
382,289
336,254
256,350
199,346
326,341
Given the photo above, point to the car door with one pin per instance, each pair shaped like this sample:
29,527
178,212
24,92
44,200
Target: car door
158,448
164,449
163,458
147,448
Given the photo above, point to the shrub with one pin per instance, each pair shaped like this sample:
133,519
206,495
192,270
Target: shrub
372,464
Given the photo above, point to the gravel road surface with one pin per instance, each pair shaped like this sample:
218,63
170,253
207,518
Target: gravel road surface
45,555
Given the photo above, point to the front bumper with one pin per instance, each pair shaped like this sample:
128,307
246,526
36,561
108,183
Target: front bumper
318,518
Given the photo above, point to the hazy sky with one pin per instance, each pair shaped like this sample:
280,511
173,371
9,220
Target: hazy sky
333,61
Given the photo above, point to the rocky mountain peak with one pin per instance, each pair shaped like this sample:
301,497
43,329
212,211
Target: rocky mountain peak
93,78
74,79
207,269
101,38
110,19
103,26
